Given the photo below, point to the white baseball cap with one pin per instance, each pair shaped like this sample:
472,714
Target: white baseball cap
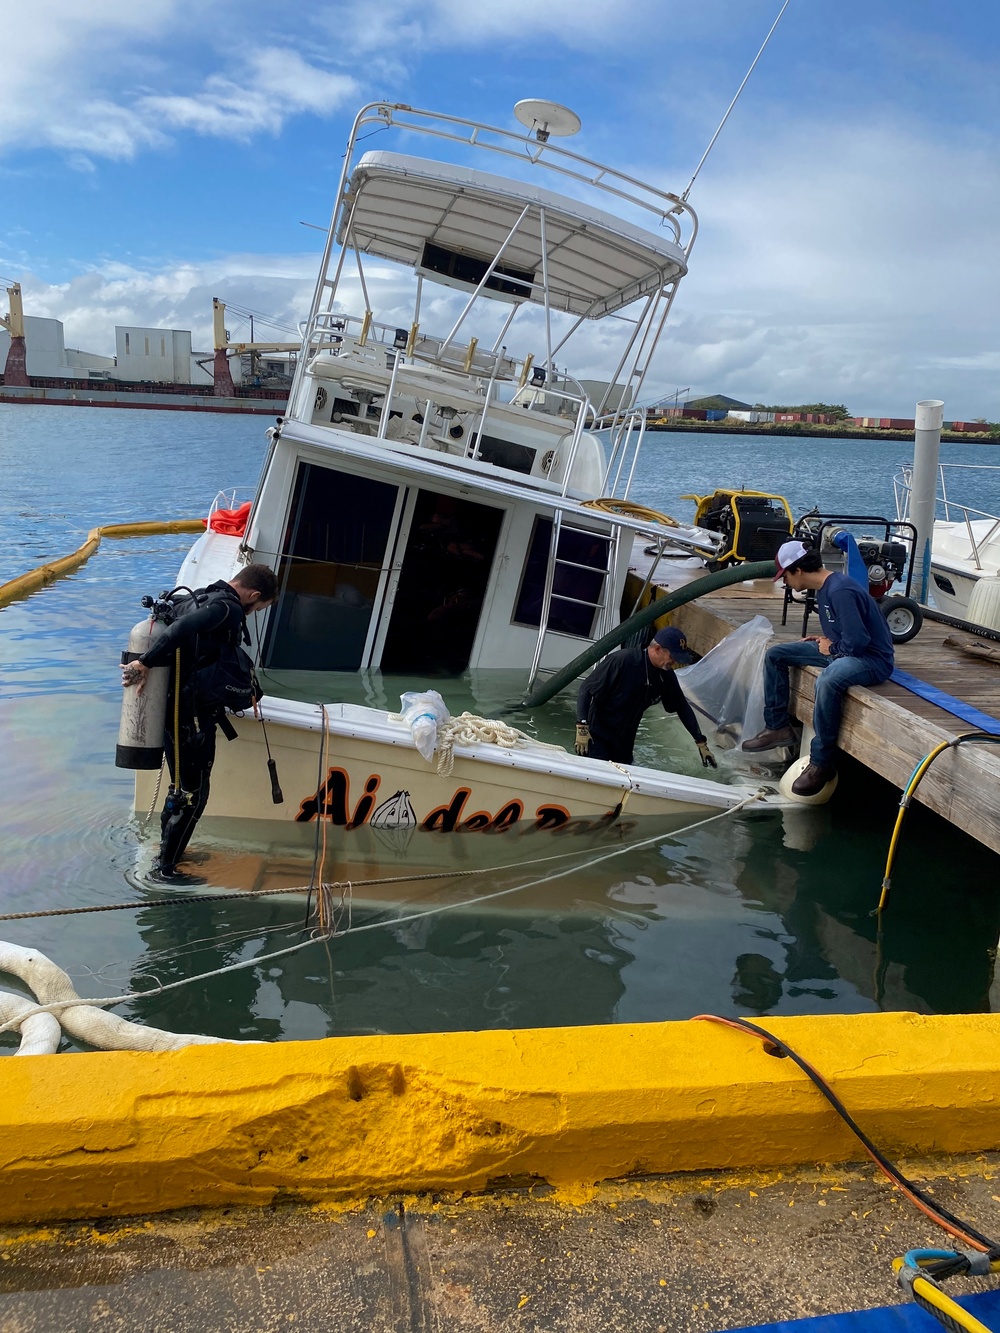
788,555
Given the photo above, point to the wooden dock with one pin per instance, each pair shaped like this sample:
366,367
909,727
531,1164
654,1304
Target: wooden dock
889,728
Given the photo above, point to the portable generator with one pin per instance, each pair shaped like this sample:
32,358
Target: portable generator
753,524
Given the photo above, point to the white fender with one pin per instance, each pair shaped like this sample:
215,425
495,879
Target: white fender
40,1033
140,733
85,1022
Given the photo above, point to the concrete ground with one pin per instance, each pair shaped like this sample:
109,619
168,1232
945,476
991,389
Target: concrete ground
647,1256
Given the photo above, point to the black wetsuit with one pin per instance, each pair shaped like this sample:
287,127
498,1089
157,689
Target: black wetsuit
201,634
615,695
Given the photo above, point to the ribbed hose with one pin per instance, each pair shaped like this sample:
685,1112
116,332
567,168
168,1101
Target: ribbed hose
760,569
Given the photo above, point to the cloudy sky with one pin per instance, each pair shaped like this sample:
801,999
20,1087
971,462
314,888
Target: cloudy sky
156,153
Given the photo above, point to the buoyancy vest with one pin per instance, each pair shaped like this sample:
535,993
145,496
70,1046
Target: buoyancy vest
218,674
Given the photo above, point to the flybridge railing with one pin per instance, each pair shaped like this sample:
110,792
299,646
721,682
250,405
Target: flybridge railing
953,511
627,433
384,350
668,208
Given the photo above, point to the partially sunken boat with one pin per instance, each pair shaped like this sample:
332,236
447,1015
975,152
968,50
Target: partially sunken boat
444,497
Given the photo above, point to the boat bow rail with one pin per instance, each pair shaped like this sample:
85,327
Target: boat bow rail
376,728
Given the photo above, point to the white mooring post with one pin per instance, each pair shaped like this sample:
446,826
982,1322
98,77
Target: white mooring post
926,449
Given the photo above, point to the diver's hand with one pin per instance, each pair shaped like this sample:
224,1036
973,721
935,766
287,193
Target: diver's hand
707,757
135,673
582,738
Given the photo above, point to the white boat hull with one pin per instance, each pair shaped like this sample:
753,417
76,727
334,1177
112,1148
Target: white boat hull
957,566
383,806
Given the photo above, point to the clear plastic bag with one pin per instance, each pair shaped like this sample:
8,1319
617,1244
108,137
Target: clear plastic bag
727,685
422,712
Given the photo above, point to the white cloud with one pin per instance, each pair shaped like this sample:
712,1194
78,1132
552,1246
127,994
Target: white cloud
278,84
175,296
399,26
112,78
843,263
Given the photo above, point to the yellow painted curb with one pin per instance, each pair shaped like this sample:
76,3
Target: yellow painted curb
55,569
345,1118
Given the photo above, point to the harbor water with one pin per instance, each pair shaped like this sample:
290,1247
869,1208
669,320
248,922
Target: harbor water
740,916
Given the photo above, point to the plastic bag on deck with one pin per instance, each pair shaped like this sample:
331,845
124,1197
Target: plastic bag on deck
727,685
422,711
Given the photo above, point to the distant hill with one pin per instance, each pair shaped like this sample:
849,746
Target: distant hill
718,402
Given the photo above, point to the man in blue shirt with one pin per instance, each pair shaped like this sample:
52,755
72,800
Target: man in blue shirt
855,648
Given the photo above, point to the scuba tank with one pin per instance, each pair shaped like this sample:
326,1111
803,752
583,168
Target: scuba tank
140,734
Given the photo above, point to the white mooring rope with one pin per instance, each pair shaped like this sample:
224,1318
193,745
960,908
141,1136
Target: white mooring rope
68,999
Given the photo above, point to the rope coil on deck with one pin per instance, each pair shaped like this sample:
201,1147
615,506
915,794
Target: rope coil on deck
469,729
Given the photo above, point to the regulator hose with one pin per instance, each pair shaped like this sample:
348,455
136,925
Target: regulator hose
760,569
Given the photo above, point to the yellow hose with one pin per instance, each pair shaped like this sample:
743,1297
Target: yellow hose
55,569
904,805
925,1292
609,505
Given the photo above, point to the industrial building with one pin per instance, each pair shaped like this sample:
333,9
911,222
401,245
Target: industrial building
144,355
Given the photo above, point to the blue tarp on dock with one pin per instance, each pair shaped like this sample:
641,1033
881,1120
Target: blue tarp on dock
888,1319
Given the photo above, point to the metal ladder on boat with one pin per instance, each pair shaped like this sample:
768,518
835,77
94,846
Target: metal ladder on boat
604,611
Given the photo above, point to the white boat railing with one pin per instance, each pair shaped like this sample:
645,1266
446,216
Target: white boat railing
952,510
628,431
328,329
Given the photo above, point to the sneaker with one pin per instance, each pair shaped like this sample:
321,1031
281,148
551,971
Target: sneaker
171,875
813,779
770,738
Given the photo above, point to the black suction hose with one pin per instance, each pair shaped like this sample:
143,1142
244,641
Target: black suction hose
759,569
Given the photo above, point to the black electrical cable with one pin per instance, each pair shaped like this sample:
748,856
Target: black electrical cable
946,1218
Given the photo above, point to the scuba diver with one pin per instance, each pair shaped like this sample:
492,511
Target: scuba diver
615,695
208,670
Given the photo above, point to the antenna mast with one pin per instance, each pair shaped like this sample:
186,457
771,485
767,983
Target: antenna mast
733,103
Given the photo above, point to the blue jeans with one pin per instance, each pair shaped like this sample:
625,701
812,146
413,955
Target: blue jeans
839,674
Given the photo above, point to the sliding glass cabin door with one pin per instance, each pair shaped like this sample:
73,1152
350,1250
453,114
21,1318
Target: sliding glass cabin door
334,563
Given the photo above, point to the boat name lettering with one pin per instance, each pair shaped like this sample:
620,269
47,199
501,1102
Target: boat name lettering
333,801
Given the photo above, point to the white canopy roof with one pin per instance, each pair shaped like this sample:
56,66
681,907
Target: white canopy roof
597,263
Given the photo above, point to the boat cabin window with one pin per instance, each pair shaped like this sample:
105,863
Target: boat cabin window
442,584
577,585
505,453
331,562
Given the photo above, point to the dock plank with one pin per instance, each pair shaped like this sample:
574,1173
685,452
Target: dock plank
888,728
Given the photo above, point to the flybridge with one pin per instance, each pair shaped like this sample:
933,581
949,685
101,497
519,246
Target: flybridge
613,243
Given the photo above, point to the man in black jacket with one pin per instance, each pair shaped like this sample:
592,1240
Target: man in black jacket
618,691
210,622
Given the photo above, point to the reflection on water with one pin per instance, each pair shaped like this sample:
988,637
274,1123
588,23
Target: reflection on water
748,915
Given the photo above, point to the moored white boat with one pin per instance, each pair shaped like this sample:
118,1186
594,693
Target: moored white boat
965,543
